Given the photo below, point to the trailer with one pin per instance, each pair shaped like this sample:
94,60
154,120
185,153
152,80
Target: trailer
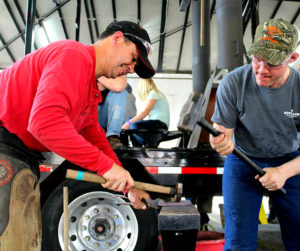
97,223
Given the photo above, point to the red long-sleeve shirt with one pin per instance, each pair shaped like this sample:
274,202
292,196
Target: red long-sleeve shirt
49,99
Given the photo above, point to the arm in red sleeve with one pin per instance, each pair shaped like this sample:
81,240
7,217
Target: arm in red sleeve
58,110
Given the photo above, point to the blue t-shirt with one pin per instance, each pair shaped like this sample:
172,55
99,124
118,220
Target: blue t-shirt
265,120
160,110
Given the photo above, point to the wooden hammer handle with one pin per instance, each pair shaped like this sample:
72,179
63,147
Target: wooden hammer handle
85,176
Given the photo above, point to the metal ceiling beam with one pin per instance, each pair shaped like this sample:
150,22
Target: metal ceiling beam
139,11
294,18
183,36
213,9
77,20
7,49
114,9
172,32
89,20
19,10
254,18
49,13
62,20
29,25
184,4
13,17
42,25
162,35
23,31
276,9
94,17
246,13
22,16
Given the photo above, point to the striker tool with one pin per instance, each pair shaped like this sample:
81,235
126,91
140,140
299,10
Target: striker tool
207,126
85,176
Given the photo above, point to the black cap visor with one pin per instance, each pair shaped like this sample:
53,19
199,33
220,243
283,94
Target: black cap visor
143,67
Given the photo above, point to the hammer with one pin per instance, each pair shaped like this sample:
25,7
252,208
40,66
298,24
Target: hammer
207,126
85,176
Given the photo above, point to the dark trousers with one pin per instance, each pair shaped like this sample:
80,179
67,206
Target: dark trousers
145,124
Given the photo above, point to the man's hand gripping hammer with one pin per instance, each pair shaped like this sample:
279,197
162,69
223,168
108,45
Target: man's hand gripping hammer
90,177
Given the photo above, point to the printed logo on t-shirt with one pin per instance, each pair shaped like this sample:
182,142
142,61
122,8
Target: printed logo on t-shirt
291,114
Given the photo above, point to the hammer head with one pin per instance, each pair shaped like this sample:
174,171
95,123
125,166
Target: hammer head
179,190
191,112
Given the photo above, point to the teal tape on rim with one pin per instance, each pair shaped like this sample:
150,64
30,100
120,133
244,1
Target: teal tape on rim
79,175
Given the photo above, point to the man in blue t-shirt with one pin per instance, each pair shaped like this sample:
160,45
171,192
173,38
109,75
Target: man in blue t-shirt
258,111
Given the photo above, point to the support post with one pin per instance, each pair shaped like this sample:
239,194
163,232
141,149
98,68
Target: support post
29,25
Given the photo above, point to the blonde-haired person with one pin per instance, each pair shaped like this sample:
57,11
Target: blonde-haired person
156,108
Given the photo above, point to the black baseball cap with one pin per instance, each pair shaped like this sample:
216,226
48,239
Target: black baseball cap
140,38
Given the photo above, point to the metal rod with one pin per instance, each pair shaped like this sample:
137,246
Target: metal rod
202,40
66,218
118,203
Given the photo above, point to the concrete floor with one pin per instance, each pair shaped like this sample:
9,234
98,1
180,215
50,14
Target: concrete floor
269,237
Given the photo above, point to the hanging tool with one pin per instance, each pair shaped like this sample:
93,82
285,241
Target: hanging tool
208,127
85,176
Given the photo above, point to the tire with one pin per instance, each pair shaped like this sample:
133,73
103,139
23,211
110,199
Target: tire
93,208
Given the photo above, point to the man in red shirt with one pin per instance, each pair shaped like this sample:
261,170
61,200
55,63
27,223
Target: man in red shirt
49,102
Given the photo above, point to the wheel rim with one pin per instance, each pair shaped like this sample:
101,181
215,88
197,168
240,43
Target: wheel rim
97,223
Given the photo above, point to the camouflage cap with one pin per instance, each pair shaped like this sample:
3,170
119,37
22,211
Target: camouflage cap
274,40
